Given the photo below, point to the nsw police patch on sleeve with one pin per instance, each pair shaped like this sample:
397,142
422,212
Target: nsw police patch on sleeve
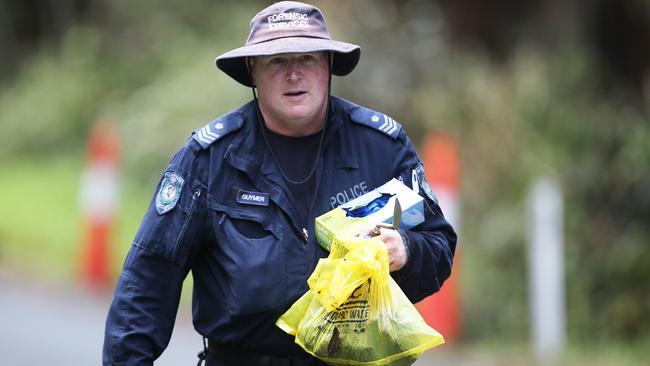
420,182
169,192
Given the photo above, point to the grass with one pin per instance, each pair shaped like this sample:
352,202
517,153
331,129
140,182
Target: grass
498,353
41,224
42,230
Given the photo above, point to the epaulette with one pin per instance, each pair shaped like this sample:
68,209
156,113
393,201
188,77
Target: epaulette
376,120
218,128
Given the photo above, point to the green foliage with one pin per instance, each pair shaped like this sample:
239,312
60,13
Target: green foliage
50,104
543,116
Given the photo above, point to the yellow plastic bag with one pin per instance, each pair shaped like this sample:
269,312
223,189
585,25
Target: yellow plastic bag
355,314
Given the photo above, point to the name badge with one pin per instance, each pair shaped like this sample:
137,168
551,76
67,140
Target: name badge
253,198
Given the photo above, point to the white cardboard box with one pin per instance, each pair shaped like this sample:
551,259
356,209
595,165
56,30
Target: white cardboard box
347,219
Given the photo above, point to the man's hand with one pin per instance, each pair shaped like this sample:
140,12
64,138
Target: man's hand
397,255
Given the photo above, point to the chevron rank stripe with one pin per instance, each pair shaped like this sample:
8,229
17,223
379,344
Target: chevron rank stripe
389,126
385,124
206,135
217,129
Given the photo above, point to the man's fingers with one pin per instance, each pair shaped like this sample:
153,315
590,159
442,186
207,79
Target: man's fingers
369,231
392,241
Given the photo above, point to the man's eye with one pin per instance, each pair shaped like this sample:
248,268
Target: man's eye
308,58
277,61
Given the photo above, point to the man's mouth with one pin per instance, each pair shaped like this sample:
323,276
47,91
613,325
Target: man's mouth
295,93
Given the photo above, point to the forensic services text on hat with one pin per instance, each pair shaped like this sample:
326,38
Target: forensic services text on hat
288,20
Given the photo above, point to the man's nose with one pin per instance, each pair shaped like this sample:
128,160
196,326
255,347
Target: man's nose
294,71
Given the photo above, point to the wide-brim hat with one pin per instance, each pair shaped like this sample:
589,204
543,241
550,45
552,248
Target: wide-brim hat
288,27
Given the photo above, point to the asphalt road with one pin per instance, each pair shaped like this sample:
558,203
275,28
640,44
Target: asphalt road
46,325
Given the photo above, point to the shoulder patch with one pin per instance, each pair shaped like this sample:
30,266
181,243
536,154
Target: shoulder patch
169,192
419,181
216,129
376,120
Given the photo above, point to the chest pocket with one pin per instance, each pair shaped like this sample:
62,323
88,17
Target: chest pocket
251,254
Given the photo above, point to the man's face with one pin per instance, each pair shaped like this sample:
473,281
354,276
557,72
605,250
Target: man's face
292,91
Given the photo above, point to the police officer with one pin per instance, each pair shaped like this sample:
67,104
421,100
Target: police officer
237,203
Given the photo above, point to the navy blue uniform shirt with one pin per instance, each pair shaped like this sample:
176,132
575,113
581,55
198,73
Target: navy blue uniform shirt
224,179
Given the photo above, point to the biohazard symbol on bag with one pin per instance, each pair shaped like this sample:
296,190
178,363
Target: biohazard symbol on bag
355,314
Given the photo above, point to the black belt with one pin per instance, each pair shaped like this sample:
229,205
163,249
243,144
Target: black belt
218,355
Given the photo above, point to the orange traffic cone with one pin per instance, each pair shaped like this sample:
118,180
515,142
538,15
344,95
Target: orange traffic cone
442,310
98,193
